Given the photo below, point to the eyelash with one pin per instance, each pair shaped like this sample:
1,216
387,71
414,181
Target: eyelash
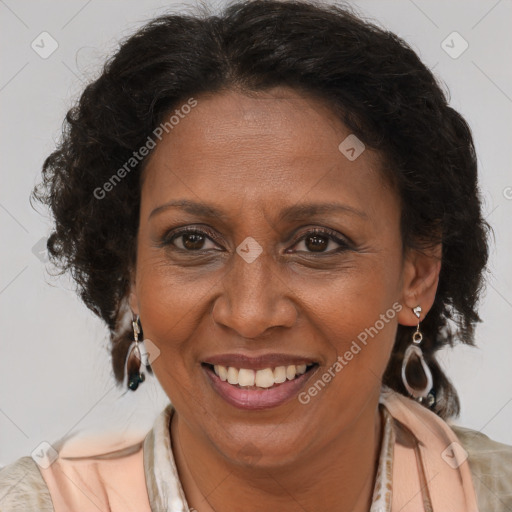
325,232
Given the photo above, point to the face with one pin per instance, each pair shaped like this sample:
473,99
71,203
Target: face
263,248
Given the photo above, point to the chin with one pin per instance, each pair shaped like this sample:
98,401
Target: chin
262,447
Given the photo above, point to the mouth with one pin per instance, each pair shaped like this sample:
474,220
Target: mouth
258,388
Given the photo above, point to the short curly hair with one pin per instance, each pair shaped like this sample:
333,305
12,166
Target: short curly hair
371,78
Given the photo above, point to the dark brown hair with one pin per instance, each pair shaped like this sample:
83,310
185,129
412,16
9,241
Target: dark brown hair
373,79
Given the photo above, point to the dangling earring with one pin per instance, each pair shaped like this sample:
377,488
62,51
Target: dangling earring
134,360
414,354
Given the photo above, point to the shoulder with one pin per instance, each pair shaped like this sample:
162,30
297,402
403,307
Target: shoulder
491,468
22,487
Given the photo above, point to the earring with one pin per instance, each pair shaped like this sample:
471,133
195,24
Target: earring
134,360
419,387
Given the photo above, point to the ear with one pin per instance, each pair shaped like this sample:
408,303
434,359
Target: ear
420,278
133,300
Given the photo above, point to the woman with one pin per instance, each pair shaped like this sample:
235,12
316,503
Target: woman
280,202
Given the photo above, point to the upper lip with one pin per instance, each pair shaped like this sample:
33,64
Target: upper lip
258,362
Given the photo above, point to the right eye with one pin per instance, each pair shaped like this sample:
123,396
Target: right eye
190,240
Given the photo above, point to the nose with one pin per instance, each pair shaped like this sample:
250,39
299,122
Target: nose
255,298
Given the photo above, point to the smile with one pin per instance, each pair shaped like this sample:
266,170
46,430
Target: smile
265,378
258,389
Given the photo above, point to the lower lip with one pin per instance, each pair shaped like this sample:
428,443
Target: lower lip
251,399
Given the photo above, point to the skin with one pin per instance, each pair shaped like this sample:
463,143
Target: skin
251,156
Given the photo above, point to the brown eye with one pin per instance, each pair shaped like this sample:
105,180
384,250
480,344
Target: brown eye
321,241
191,240
316,243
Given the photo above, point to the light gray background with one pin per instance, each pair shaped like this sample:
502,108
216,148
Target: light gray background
54,363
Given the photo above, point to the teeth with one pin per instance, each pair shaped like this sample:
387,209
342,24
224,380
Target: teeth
223,373
280,374
246,377
265,378
232,375
291,371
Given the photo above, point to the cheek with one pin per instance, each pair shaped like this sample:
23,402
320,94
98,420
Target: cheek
358,329
353,298
361,335
171,309
356,314
170,312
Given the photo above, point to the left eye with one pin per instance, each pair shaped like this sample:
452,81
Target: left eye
320,242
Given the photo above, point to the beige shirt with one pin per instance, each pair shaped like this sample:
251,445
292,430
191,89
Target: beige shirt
101,483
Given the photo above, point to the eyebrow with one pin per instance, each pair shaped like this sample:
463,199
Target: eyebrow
299,211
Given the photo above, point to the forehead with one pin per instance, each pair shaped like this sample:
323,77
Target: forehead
267,148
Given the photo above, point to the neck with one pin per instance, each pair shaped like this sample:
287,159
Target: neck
338,478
